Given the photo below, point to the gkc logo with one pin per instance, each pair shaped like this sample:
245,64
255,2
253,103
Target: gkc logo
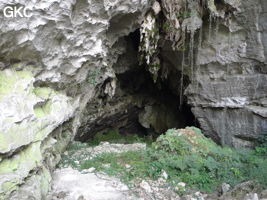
15,11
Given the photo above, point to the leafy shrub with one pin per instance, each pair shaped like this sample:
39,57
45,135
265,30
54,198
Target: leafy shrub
261,142
189,156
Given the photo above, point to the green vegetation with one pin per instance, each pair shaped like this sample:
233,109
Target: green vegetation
186,155
113,136
189,156
44,110
13,81
92,77
184,14
43,92
261,142
114,164
167,27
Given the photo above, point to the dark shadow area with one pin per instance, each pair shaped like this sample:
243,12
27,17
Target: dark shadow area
159,97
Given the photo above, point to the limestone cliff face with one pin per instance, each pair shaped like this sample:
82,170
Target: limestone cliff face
220,46
229,95
52,65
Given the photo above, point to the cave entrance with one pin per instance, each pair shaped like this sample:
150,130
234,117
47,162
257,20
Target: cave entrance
140,106
160,107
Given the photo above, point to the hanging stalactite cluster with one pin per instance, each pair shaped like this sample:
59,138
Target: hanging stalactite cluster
149,37
180,18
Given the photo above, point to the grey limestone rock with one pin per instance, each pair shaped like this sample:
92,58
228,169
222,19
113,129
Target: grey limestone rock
51,64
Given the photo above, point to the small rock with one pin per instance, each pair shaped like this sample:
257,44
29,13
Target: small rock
251,196
225,188
106,165
127,166
164,175
199,196
161,180
122,188
188,197
156,7
180,187
263,194
90,170
61,195
104,143
2,66
181,184
145,186
81,198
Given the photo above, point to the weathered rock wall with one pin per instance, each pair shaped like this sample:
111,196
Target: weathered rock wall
229,95
52,65
222,51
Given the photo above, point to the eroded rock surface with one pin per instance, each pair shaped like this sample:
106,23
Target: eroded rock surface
52,65
223,62
70,184
229,96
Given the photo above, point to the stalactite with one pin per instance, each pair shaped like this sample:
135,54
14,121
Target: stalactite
198,48
229,45
210,27
217,23
60,130
76,90
149,37
224,122
182,78
181,17
191,55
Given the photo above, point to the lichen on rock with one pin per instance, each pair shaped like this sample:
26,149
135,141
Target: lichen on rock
46,61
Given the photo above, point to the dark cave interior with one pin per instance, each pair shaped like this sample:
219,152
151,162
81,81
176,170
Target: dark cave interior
161,98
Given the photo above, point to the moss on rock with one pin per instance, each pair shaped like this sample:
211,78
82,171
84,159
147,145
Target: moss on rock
16,168
43,110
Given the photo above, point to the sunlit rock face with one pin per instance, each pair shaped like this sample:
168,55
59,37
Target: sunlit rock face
229,92
52,65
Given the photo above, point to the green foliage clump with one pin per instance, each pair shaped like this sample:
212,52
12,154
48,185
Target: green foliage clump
167,27
184,15
261,148
92,77
187,155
